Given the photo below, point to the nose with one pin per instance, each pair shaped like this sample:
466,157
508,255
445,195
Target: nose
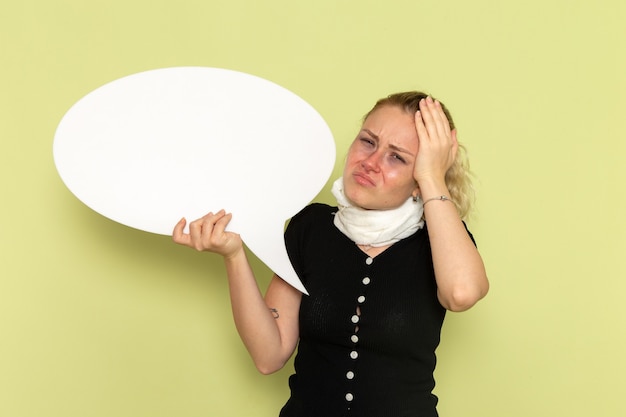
372,162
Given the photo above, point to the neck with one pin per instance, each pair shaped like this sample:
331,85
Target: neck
376,228
373,251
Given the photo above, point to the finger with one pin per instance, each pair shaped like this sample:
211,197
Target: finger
422,133
198,229
209,221
221,223
438,125
196,226
427,113
439,119
442,116
211,235
178,235
220,220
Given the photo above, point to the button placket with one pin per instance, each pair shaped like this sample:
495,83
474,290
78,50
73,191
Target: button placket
354,338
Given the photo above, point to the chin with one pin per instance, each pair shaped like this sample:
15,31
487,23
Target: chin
358,196
360,202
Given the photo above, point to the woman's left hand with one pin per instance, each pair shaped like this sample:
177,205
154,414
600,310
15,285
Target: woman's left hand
437,142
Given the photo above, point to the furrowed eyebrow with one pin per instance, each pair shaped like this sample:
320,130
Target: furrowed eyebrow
401,150
372,134
394,147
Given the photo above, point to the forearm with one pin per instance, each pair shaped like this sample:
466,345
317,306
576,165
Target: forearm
459,269
255,322
269,342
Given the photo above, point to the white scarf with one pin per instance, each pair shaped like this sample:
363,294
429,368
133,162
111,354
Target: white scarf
376,227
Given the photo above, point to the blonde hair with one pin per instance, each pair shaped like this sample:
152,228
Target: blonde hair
458,177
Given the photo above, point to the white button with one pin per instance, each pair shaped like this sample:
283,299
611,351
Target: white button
355,319
354,354
361,299
354,338
349,397
350,375
369,261
366,281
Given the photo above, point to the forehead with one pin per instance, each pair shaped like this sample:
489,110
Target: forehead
392,124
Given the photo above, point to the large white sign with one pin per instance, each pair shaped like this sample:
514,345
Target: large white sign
150,148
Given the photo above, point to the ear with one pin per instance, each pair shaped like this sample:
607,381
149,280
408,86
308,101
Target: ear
455,141
416,192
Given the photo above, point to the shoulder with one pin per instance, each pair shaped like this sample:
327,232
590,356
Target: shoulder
310,221
306,232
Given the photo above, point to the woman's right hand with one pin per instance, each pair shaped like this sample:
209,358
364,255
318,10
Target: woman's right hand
208,234
438,145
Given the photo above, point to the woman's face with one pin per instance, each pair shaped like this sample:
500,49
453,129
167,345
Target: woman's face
378,174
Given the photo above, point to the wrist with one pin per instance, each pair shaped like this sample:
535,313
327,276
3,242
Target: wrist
442,198
235,256
430,187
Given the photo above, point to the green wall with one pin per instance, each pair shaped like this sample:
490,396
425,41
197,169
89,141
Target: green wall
100,320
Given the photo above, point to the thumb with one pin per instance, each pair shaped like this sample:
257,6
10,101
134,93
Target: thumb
177,233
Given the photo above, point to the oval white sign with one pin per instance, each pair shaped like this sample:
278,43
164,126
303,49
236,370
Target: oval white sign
150,148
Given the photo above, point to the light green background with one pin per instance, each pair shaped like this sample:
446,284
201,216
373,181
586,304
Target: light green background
100,320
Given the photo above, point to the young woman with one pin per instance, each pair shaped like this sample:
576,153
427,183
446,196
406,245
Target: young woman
381,268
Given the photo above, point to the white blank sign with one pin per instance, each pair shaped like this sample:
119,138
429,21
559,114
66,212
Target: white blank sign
150,148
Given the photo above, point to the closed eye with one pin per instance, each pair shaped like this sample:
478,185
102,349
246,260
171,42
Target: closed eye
398,158
368,141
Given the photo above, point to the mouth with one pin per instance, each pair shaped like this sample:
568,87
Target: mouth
363,179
